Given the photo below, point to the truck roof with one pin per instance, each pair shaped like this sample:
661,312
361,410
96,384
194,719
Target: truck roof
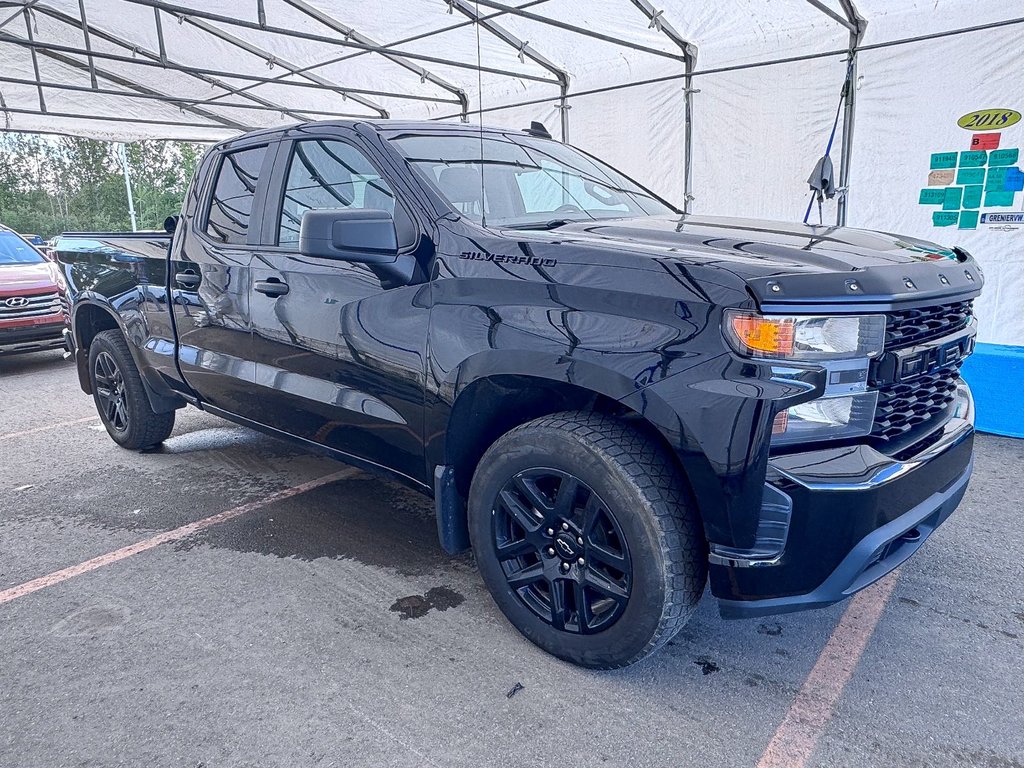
379,125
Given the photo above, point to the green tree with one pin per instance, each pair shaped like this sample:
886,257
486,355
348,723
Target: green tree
52,185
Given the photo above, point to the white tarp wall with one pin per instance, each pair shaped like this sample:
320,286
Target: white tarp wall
757,130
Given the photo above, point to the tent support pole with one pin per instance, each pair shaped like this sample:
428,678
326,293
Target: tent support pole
688,91
423,73
526,51
663,25
582,31
179,101
35,63
149,58
21,9
848,22
216,120
266,55
563,109
850,110
190,14
403,41
160,36
88,43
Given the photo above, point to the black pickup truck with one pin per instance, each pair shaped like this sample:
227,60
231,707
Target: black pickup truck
612,402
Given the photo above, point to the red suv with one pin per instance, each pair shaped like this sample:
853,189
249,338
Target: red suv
31,317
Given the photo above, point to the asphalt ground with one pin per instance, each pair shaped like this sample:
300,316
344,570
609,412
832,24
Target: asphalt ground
325,627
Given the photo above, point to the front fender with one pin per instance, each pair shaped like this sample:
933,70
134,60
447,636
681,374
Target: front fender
718,417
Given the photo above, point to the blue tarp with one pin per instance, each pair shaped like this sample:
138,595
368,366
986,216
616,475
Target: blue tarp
996,375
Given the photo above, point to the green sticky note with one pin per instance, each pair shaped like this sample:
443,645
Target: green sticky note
996,179
998,198
1003,157
973,159
952,199
932,196
972,196
970,176
945,218
968,220
943,160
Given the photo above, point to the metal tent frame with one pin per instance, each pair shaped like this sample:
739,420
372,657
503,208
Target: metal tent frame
235,95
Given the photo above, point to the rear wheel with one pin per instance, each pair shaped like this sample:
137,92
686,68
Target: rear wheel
584,532
120,395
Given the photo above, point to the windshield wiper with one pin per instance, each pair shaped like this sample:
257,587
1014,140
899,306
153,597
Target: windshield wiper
549,224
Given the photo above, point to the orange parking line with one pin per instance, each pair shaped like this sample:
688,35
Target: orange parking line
184,531
58,425
815,702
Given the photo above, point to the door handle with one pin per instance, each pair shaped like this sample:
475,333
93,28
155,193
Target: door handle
272,287
187,279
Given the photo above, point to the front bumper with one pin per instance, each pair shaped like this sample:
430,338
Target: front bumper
31,338
856,515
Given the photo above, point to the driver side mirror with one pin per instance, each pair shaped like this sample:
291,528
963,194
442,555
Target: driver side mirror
358,235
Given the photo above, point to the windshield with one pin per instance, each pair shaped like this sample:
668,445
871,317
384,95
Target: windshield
521,181
14,250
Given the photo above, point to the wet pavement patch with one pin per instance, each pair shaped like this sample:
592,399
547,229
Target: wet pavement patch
363,518
435,598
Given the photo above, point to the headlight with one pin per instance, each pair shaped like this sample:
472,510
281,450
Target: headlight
805,337
826,418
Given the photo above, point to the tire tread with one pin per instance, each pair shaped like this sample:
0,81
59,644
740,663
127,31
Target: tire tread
646,465
152,428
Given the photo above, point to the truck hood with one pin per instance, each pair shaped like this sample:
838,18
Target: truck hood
17,279
793,263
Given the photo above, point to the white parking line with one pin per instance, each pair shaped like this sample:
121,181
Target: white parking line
815,702
57,577
35,430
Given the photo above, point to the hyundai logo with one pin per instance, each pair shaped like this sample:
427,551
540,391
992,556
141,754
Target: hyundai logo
16,301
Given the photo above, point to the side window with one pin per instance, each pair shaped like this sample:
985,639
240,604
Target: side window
227,221
329,174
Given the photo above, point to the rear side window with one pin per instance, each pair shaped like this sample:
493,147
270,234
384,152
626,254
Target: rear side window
231,203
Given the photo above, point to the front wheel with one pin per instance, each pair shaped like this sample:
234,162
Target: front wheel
120,395
585,534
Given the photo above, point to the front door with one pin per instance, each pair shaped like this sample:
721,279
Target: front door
210,279
339,358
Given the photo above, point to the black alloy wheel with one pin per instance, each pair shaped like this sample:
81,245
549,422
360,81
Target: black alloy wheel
562,551
110,392
587,537
120,395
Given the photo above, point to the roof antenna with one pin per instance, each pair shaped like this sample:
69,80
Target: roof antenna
537,129
480,115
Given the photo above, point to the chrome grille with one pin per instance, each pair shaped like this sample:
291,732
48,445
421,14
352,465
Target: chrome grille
19,307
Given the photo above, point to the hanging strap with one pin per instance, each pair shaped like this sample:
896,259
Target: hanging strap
832,136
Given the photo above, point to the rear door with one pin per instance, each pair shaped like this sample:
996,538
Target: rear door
339,358
210,275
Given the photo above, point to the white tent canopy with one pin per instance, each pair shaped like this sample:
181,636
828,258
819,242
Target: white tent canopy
723,107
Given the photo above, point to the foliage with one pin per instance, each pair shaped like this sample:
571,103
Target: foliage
52,185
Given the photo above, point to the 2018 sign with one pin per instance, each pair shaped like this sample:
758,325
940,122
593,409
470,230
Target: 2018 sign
989,119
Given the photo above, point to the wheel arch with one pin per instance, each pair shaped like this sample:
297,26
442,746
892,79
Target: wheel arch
488,401
91,317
